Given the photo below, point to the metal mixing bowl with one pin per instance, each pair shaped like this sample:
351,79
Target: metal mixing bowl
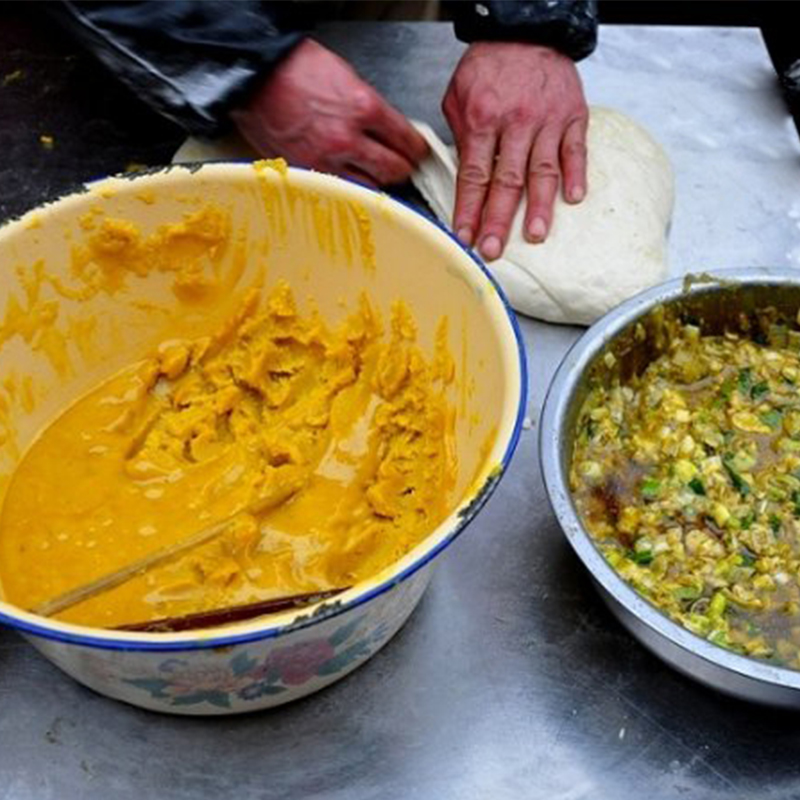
636,332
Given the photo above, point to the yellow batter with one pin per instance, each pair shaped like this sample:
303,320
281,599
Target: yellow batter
342,438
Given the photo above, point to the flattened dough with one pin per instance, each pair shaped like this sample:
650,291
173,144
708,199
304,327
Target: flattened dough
227,148
599,252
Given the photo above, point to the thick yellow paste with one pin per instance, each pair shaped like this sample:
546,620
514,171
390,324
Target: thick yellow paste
341,438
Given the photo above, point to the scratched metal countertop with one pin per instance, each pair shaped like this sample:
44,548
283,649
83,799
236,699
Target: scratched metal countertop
511,680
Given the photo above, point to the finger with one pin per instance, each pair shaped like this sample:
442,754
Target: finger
543,177
505,191
476,160
393,130
353,173
383,165
573,161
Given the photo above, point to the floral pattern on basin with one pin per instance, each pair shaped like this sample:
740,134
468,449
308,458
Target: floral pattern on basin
249,678
242,676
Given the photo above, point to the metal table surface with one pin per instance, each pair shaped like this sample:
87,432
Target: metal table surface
511,679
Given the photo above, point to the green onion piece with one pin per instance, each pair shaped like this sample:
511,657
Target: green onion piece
726,390
719,638
775,523
796,501
650,488
696,485
745,380
717,606
686,593
772,418
741,485
643,557
748,559
759,390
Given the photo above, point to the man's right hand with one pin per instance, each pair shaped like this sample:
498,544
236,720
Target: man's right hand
315,111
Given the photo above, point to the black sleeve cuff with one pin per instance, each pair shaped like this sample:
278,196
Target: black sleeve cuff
569,26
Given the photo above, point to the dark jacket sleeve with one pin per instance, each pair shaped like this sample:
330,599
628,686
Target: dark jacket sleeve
569,26
191,60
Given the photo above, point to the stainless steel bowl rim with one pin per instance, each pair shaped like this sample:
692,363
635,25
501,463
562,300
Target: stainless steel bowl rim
552,441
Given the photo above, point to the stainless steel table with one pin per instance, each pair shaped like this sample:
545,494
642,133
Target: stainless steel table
510,680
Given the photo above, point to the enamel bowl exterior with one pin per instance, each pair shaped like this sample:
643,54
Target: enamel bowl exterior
331,240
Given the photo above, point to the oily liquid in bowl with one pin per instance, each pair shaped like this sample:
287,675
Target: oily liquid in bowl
335,444
685,469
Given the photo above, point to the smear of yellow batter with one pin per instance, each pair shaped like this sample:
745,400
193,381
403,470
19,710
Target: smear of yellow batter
343,438
115,249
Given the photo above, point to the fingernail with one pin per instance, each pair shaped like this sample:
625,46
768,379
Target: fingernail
576,194
537,230
491,247
465,235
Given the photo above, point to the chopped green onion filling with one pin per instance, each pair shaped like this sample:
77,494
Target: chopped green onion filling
704,449
696,485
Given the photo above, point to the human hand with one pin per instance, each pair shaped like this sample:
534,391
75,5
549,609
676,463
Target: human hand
519,119
315,111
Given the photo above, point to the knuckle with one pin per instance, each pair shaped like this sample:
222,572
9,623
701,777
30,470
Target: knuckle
475,173
544,168
575,149
520,117
482,116
338,142
508,179
364,102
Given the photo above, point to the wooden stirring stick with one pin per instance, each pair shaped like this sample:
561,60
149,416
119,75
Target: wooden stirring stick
227,616
141,567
